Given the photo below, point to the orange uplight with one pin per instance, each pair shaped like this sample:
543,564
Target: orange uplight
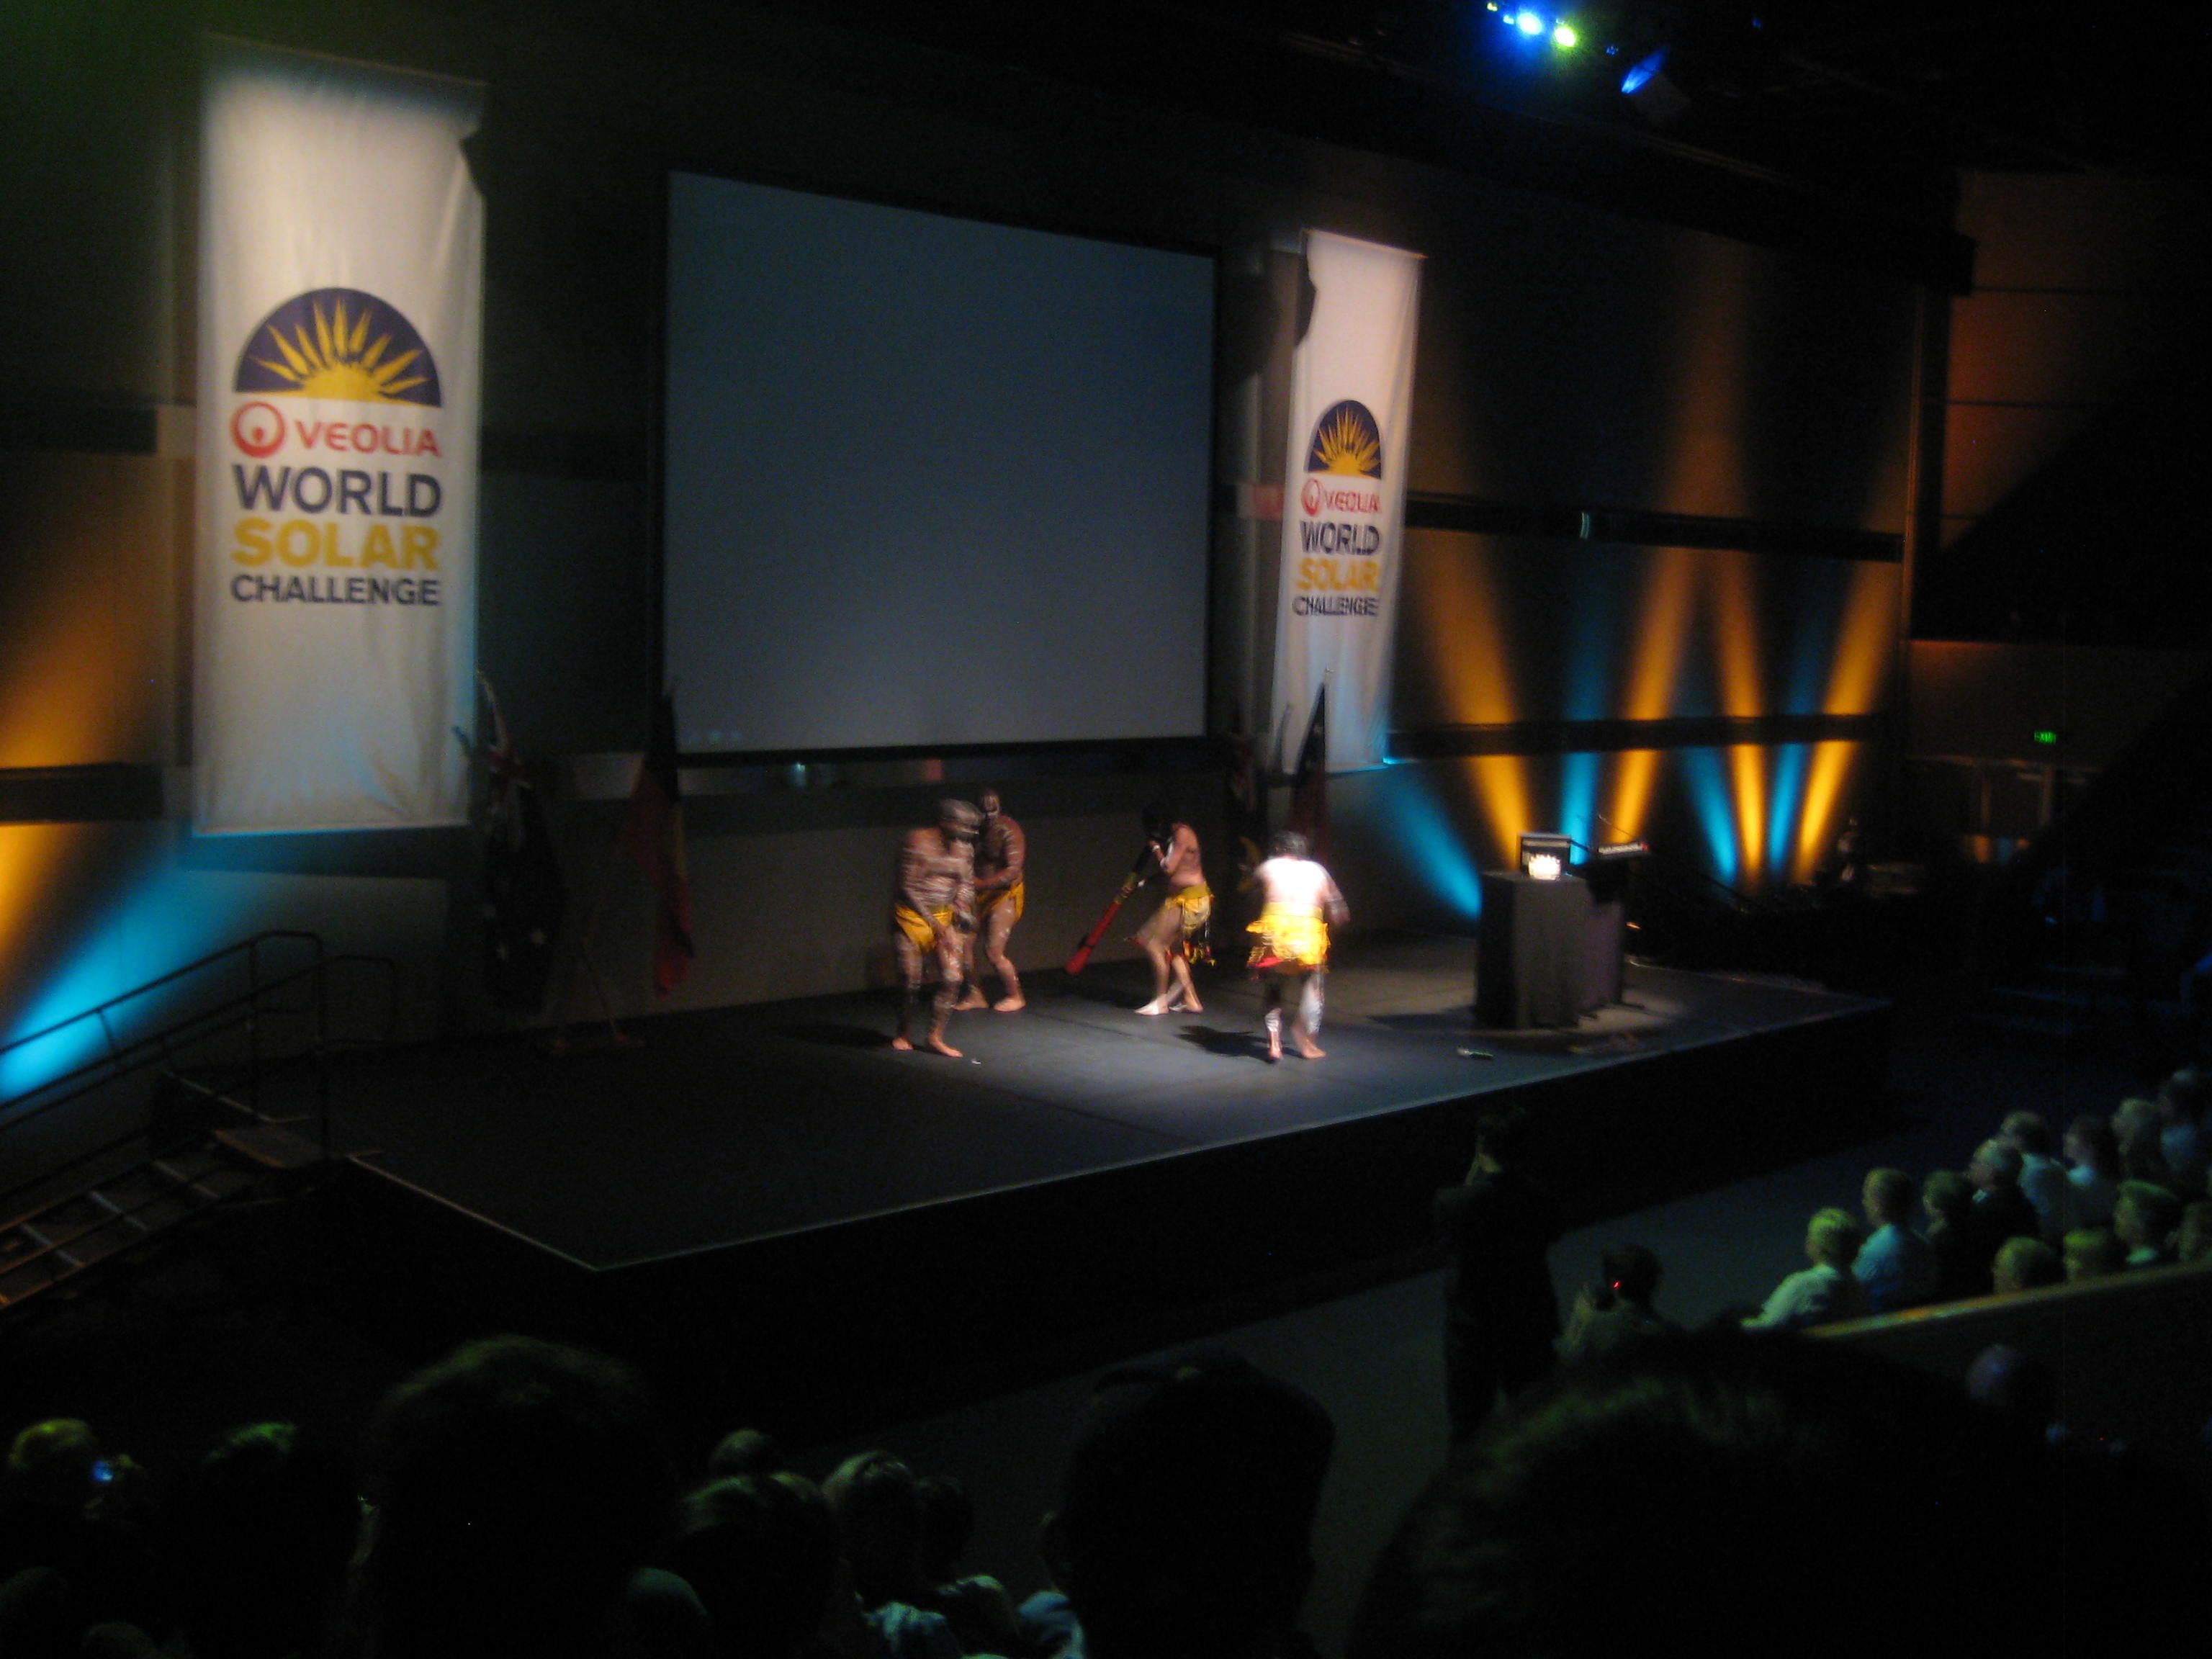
1501,790
1824,786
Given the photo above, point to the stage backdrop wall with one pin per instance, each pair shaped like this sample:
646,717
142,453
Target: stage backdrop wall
341,272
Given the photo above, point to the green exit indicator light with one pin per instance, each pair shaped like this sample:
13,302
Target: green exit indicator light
2046,737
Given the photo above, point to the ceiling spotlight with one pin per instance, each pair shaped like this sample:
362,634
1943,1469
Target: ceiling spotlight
1564,37
1530,23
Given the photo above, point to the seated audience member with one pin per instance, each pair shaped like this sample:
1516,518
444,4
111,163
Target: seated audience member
519,1485
1617,1308
878,1503
761,1552
2006,1379
1946,1199
2093,1253
2181,1143
976,1606
258,1535
2042,1176
74,1538
1896,1267
2146,1218
1186,1515
2094,1181
1501,1312
2194,1242
2001,1210
2025,1264
745,1451
1823,1293
2135,1131
1739,1492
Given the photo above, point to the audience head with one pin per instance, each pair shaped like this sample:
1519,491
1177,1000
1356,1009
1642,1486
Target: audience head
54,1470
2008,1380
260,1531
1632,1273
1887,1197
2133,1121
2195,1240
1502,1133
1289,844
1690,1484
760,1551
519,1484
744,1451
1995,1166
1186,1515
875,1499
2090,1143
2027,1133
2025,1264
1833,1238
2093,1253
2146,1216
948,1521
2183,1097
1947,1197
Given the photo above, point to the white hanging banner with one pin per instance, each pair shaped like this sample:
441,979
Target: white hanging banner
340,320
1344,494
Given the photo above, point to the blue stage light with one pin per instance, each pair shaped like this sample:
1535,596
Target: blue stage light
1531,24
1643,71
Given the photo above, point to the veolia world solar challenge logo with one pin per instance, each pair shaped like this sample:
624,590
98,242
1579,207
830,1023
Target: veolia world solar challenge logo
338,484
1340,516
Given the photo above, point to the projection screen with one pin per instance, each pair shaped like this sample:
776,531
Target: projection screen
929,481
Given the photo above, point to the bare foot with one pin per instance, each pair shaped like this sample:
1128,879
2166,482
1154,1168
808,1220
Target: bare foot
1309,1049
1274,1049
1188,1005
1157,1005
1009,1005
938,1045
974,999
900,1044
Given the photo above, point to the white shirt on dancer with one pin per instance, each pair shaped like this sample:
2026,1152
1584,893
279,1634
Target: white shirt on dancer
1299,886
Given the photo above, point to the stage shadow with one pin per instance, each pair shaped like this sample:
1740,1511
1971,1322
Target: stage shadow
825,1035
1444,1019
1242,1045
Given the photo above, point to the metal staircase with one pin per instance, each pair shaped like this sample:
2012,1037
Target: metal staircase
225,1098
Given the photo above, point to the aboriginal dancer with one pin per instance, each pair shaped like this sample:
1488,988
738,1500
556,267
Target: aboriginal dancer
1290,951
1000,891
933,914
1174,937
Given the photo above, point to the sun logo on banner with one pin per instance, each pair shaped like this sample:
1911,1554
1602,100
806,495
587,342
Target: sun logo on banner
1346,439
339,343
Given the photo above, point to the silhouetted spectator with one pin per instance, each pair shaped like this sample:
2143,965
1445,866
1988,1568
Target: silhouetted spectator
519,1485
2093,1253
1502,1314
745,1451
1617,1308
74,1538
1947,1198
2181,1143
2094,1181
2146,1219
976,1606
260,1532
2025,1264
1737,1495
1185,1522
2135,1131
2042,1176
877,1505
2193,1243
1896,1266
2001,1210
760,1551
1823,1292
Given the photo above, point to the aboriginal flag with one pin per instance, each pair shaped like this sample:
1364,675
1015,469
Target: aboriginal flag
653,834
1310,784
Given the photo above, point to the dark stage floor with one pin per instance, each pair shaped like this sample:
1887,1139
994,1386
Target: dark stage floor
740,1124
